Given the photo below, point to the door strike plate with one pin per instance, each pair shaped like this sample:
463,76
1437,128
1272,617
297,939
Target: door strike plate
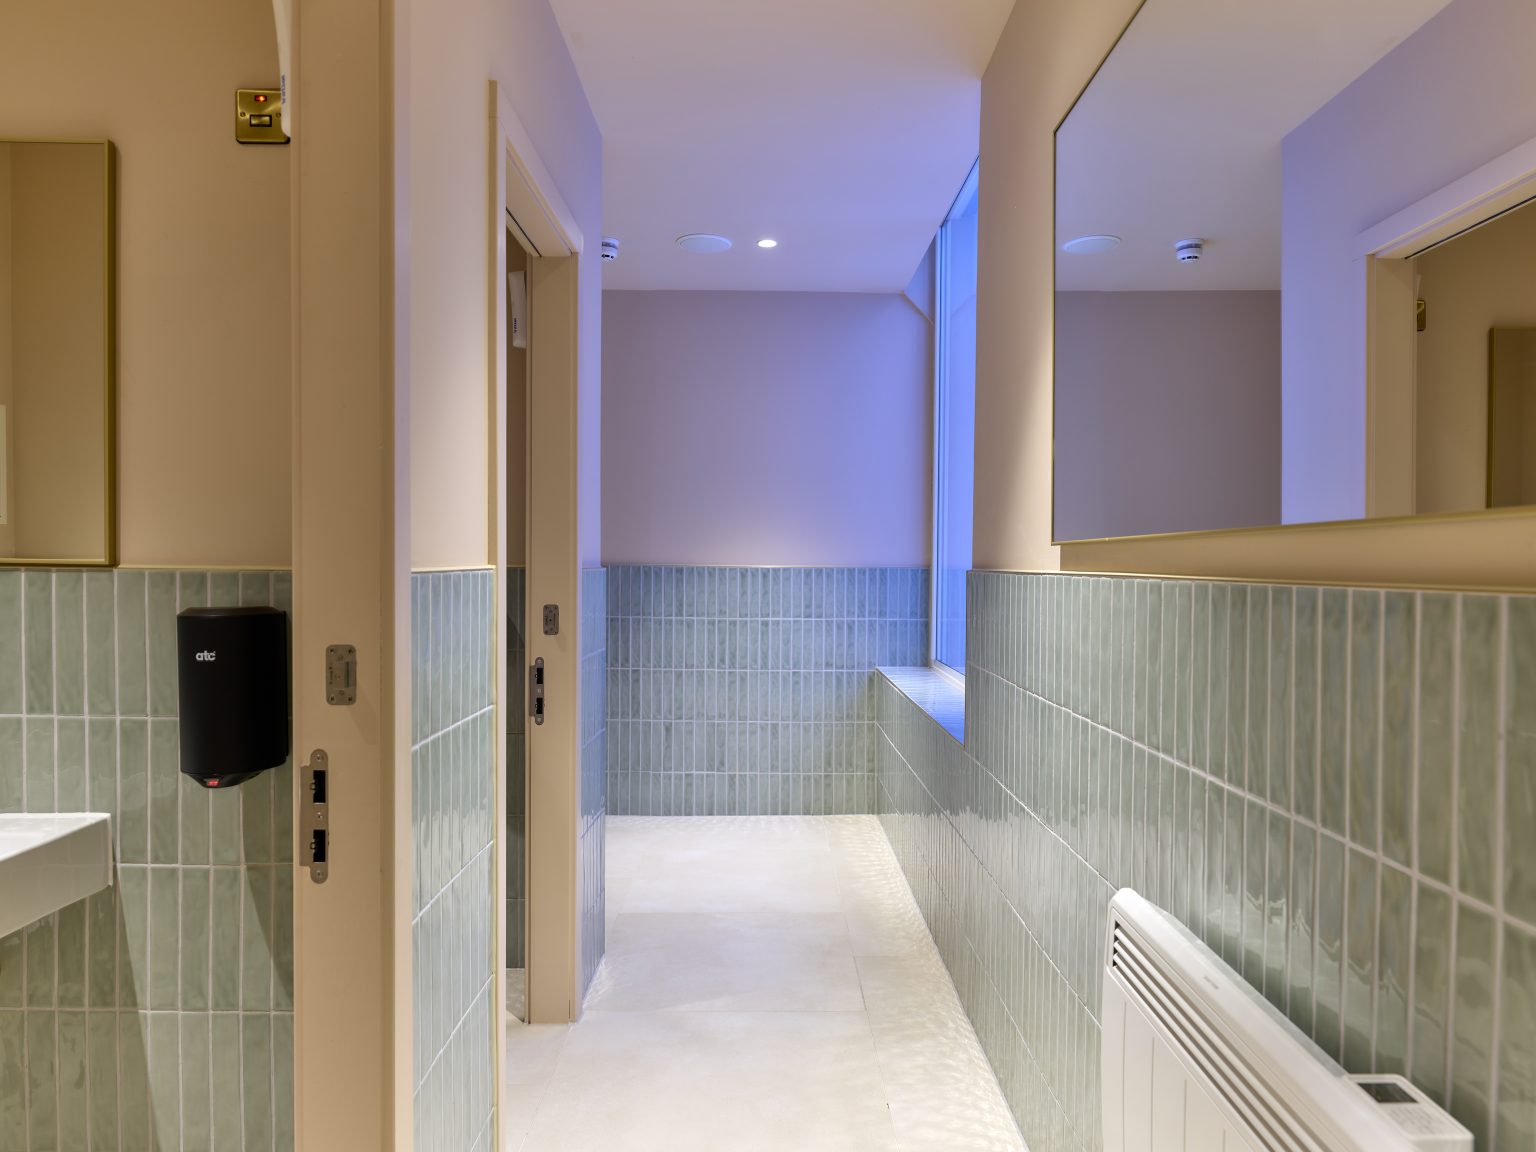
314,816
341,674
536,691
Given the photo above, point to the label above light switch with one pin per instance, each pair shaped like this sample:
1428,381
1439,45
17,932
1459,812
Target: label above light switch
259,116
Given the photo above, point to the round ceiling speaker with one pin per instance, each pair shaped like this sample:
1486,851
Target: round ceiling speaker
1091,245
703,242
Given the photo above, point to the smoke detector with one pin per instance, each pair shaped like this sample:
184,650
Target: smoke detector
1188,251
610,248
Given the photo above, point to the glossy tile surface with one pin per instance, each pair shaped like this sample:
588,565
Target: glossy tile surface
1331,787
156,1013
728,1017
740,691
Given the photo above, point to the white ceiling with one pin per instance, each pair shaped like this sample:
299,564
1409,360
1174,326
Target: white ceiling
841,128
1179,134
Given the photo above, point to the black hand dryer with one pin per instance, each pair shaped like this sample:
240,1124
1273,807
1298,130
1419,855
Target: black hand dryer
233,687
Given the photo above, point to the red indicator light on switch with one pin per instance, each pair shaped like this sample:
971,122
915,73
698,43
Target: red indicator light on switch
261,98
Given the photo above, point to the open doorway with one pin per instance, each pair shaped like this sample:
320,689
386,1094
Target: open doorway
516,624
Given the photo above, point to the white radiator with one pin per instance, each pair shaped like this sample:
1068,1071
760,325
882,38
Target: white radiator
1194,1060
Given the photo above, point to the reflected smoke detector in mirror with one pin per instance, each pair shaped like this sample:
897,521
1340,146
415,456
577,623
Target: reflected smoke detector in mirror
1091,245
703,242
610,248
1188,251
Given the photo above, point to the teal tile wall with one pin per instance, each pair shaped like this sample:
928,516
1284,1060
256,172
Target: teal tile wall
517,770
1335,788
752,690
453,788
159,1012
594,763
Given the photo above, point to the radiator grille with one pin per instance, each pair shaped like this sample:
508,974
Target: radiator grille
1275,1127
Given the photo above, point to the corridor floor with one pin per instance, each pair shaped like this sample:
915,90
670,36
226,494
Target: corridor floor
769,984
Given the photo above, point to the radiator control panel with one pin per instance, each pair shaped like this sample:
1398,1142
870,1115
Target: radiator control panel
1427,1126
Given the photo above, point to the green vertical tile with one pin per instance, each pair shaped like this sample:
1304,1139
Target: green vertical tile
133,788
282,810
193,941
1472,1046
226,834
1333,769
226,1082
71,955
256,1063
256,949
1237,685
1305,704
1303,921
164,937
1399,652
196,815
161,639
37,640
1199,749
134,953
42,1081
1516,1120
69,643
1256,756
13,1080
1278,873
1279,697
132,636
1437,672
12,667
101,765
101,962
1215,867
1232,927
1477,798
1364,715
282,1081
12,969
73,1055
12,763
228,900
134,1124
1520,761
196,1111
101,1063
1394,950
164,789
71,768
256,819
40,939
1220,614
1255,845
1360,962
165,1080
100,645
41,772
282,939
1328,959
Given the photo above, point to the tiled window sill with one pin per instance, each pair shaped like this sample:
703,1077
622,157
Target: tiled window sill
941,696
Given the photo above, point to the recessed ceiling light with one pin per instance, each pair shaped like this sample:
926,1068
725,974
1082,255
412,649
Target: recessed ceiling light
1090,245
703,242
766,242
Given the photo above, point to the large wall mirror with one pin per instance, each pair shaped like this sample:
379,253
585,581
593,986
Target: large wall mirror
57,480
1296,267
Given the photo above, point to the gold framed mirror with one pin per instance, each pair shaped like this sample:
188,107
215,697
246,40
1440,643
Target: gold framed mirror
58,305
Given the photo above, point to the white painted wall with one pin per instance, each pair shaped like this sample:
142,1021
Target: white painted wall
1167,412
775,428
1458,93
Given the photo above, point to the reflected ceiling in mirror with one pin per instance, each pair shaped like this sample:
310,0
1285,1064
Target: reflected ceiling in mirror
1212,367
57,477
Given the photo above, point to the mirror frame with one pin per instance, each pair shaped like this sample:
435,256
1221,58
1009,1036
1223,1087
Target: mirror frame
1466,218
109,555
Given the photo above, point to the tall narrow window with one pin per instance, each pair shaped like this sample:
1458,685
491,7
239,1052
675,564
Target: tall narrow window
954,424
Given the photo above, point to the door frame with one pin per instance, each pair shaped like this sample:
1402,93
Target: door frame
525,192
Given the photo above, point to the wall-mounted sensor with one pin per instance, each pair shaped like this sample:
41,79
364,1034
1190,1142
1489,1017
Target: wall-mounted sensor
233,689
1188,251
610,248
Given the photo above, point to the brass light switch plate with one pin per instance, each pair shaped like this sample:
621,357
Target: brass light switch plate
258,116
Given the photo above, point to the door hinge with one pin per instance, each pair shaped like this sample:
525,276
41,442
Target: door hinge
536,691
314,815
